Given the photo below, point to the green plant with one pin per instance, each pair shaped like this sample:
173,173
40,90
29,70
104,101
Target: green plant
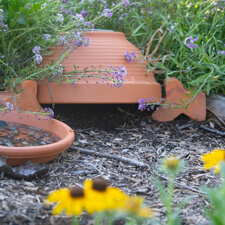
29,28
183,39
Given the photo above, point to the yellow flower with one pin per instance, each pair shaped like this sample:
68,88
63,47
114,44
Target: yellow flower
213,159
172,163
133,206
70,201
102,197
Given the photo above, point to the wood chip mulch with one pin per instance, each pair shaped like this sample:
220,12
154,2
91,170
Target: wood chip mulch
127,148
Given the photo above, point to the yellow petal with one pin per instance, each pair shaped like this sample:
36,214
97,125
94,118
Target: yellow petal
213,158
145,212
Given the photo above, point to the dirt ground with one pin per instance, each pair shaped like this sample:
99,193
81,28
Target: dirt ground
120,131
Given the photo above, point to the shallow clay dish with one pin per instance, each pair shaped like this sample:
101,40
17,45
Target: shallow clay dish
37,154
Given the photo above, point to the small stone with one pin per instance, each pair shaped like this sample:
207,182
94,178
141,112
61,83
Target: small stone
3,123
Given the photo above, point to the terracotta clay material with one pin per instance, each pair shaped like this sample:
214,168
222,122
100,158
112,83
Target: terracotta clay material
174,92
106,48
26,100
37,154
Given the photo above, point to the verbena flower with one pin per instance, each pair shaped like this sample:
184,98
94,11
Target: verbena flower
3,27
221,52
130,57
84,13
9,106
37,58
107,12
46,36
189,42
36,50
60,17
213,159
49,113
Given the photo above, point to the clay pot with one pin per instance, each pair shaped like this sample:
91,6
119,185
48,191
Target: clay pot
37,154
26,100
106,48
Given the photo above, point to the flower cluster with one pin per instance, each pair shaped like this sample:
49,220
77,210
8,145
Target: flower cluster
221,52
95,196
7,107
189,42
130,57
171,27
3,27
151,104
37,58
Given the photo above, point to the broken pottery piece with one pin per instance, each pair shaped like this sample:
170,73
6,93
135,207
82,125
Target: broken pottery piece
29,171
175,92
25,100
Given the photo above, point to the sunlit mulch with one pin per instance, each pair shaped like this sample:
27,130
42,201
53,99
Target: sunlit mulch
122,132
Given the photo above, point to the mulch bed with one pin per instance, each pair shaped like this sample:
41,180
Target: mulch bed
114,132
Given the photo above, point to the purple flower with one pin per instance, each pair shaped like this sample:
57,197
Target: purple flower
60,17
122,15
130,57
36,50
142,104
84,13
1,16
107,12
189,42
50,113
37,58
3,27
126,2
46,36
221,52
9,106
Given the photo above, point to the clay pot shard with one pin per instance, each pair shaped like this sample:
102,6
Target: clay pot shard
196,110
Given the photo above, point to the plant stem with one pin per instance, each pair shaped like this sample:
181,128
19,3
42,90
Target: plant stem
170,198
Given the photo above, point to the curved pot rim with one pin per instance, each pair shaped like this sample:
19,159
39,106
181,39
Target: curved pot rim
43,150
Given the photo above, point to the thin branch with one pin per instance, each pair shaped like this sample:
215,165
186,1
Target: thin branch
212,130
105,155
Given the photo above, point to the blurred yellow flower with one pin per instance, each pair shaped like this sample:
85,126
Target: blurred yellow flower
133,205
69,201
172,163
213,159
102,197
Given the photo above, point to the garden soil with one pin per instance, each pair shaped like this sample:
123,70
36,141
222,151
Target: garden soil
115,132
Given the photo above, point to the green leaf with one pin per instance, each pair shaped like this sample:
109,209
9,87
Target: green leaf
58,81
137,29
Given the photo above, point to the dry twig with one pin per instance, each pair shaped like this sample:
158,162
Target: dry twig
105,155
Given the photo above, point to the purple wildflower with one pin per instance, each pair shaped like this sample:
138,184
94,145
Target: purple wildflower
3,27
46,36
84,13
37,58
126,2
50,113
142,104
36,50
60,17
9,106
130,57
107,12
122,15
150,11
189,42
221,52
